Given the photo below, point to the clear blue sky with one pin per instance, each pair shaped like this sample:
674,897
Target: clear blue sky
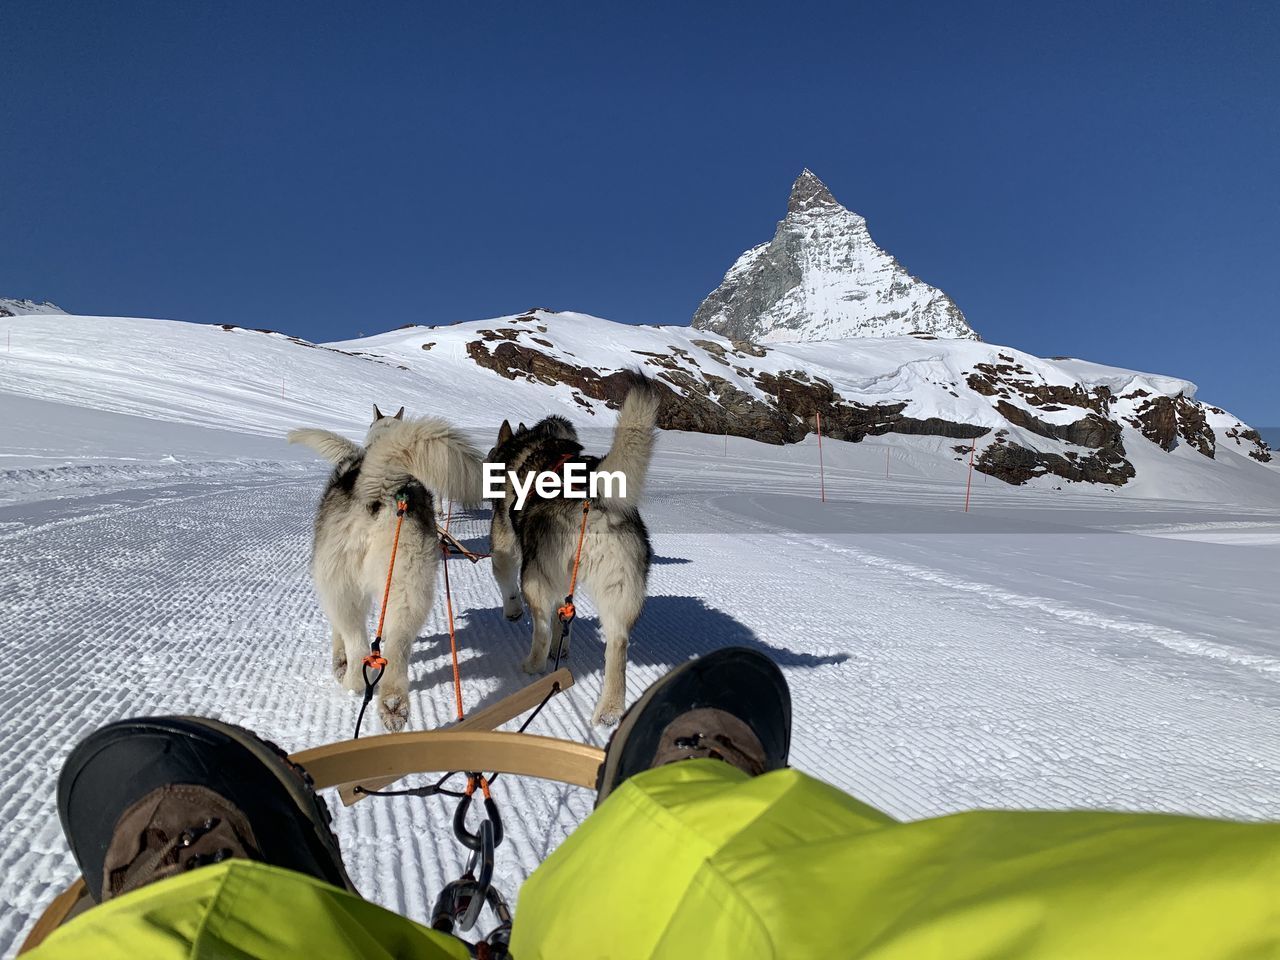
1094,179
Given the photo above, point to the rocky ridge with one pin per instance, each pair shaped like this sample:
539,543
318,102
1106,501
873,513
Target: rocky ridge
1030,417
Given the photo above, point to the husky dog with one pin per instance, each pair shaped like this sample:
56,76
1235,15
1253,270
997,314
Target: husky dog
533,547
416,460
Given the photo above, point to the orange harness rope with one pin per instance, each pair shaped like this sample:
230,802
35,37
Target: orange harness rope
567,611
448,603
374,660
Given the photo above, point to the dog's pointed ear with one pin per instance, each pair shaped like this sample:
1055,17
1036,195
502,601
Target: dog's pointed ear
522,429
377,414
400,414
504,432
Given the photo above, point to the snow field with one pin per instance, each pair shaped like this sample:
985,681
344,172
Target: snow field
1051,648
924,681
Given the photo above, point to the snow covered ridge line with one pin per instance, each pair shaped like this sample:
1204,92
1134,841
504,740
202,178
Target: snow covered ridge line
1024,417
22,308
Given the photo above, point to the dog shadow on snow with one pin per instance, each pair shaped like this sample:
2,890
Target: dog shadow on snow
671,630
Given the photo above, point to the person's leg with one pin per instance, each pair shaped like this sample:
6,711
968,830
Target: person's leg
199,838
705,858
702,859
243,909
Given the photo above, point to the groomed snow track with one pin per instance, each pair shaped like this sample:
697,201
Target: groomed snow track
918,687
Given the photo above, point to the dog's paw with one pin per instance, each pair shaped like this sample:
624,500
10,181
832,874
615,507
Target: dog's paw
340,668
607,713
353,679
394,711
534,665
512,609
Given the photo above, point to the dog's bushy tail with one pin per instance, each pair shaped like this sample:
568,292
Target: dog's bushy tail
428,450
633,438
326,443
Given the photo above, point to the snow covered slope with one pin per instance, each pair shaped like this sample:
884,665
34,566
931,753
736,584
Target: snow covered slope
1050,648
1034,421
22,308
822,277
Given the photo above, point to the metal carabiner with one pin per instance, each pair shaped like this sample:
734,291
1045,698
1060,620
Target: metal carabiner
499,938
465,837
460,902
482,858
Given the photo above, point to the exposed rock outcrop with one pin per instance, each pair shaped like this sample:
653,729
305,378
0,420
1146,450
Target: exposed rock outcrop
1166,420
1014,463
709,403
1032,417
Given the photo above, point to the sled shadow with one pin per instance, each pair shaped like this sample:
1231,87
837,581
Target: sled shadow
671,630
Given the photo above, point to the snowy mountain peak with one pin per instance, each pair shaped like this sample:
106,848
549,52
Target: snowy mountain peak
822,277
809,192
21,308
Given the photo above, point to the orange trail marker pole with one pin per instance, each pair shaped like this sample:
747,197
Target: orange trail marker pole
886,463
969,485
822,473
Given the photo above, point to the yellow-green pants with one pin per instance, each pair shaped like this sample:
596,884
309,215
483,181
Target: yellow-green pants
696,860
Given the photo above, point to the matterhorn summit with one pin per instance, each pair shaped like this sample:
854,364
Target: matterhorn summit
822,277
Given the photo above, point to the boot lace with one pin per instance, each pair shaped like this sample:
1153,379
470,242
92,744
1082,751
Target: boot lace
140,871
714,747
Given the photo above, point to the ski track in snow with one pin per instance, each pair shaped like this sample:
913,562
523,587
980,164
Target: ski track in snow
917,689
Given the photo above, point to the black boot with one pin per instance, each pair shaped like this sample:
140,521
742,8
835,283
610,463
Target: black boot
731,705
141,800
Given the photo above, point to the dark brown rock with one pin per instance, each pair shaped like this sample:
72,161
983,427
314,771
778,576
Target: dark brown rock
1166,420
705,403
1260,452
1016,464
1090,431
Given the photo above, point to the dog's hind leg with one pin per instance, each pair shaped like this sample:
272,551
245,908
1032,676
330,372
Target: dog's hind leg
542,610
505,552
412,593
339,656
613,692
506,570
347,607
619,601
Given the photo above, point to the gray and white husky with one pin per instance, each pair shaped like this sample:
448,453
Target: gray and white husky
533,547
419,460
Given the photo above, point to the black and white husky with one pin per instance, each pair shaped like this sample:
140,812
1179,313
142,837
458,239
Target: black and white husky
533,546
355,525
